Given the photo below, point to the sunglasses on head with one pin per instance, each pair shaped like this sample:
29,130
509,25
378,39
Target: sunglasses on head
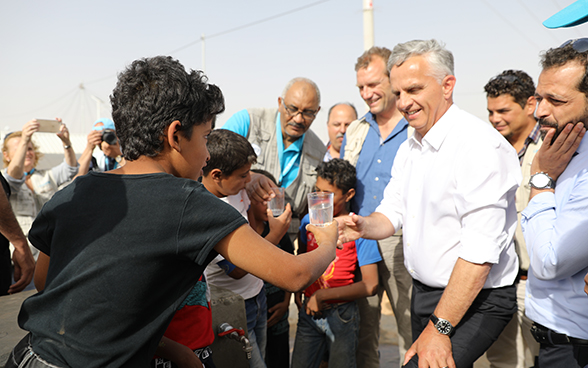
579,44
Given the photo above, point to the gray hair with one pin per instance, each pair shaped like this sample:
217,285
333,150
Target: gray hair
440,59
305,80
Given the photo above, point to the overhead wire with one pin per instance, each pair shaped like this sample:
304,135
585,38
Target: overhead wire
250,24
507,21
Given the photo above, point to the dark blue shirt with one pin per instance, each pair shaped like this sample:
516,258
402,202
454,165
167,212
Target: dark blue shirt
374,166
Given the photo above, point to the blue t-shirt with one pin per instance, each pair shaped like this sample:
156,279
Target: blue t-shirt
374,166
367,249
289,158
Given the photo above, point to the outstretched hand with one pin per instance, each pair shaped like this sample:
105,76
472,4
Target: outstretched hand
351,227
325,236
260,188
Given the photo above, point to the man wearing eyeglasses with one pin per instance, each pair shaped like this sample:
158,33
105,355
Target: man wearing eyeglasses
370,144
511,106
285,145
555,223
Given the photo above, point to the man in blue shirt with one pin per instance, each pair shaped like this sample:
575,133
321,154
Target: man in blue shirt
370,144
285,145
555,223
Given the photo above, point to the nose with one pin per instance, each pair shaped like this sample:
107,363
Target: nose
402,102
298,118
366,93
542,109
494,118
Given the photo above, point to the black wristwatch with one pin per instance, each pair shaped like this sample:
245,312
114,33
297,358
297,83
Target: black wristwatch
442,325
541,181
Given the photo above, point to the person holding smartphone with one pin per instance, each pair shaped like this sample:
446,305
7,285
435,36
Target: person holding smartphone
30,187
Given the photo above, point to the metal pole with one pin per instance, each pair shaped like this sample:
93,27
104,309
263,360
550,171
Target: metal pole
368,24
203,53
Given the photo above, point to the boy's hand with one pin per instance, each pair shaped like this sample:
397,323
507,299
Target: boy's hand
279,225
315,304
325,236
277,312
260,188
350,228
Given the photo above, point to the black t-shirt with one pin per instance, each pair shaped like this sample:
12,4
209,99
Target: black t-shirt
124,252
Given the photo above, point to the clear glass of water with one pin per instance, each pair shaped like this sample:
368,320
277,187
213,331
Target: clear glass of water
277,203
320,208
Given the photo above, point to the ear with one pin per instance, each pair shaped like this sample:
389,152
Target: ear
530,106
216,174
279,102
350,194
448,85
5,154
173,135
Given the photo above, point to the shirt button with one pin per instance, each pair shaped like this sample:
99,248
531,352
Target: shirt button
374,197
411,271
379,161
377,178
408,244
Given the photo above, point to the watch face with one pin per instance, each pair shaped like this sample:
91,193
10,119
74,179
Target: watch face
540,180
444,327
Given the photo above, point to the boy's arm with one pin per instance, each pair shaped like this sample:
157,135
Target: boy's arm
366,287
271,264
180,354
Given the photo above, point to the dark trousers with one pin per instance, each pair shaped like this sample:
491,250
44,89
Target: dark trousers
479,328
562,356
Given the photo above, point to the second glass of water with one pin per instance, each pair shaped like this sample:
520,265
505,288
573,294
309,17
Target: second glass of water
320,208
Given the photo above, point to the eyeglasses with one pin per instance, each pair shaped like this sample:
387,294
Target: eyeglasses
579,44
293,111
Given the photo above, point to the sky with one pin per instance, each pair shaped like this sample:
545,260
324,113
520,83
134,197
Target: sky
60,58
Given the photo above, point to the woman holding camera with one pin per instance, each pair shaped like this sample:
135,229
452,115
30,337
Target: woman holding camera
30,187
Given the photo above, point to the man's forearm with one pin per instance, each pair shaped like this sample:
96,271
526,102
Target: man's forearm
9,227
465,283
378,227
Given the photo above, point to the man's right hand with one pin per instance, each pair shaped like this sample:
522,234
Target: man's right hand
351,227
325,236
260,188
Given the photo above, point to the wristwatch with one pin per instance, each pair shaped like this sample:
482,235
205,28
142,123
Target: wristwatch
442,325
541,181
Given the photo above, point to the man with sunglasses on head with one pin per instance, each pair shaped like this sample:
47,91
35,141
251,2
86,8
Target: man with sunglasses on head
555,222
285,145
511,106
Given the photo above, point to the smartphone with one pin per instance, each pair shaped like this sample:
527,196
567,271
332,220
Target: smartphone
48,126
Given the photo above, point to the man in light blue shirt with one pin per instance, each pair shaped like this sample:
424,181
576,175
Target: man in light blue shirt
555,223
285,145
370,144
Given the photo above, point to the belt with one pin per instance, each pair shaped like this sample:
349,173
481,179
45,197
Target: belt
522,274
544,335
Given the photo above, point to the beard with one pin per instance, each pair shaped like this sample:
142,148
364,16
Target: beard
545,123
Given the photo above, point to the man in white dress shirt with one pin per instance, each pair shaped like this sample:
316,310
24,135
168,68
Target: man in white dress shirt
555,222
452,193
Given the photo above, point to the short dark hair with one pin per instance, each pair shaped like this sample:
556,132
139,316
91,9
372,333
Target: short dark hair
229,151
516,83
366,58
560,56
338,172
150,94
267,174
